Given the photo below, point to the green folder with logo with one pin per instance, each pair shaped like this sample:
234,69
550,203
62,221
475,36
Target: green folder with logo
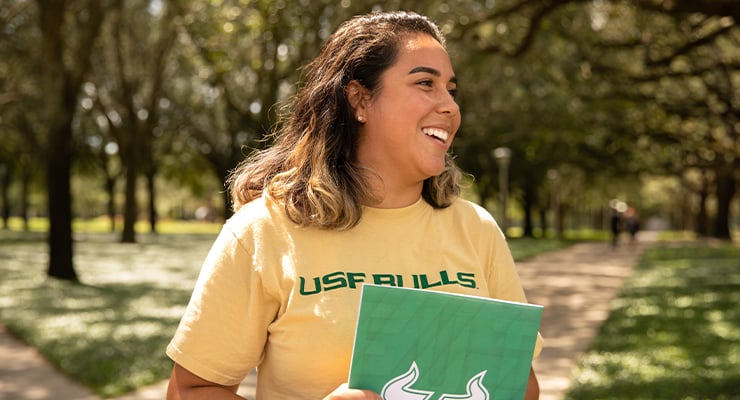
414,344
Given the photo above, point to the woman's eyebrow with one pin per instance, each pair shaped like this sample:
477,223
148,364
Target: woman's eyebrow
429,70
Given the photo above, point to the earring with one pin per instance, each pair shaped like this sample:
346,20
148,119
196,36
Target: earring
360,119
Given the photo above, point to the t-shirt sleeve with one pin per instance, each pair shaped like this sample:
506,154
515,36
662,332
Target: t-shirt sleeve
223,332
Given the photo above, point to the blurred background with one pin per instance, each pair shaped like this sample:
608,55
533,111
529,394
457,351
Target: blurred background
582,119
135,111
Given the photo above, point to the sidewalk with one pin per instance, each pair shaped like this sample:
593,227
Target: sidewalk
576,286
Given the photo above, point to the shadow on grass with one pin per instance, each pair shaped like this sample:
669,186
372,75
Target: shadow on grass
109,332
665,387
109,337
673,333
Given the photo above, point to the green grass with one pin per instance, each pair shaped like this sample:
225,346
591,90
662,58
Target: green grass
110,331
524,248
102,225
673,332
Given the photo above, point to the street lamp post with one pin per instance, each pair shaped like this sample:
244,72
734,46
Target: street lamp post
503,157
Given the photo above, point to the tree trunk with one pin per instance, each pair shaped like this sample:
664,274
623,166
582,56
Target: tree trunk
228,207
4,186
130,208
151,188
701,226
542,213
528,207
25,202
110,189
59,110
560,219
61,86
726,187
226,194
60,200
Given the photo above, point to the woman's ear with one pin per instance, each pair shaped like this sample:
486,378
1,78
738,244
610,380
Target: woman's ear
357,97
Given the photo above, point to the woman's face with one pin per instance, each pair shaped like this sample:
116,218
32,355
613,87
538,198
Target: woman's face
412,118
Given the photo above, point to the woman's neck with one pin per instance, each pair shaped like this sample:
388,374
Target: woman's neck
397,196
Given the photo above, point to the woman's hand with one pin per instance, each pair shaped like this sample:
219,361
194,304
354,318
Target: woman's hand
344,393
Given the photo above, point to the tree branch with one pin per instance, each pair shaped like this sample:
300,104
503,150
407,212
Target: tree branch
690,45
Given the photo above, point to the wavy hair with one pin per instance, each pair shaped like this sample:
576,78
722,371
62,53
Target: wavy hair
311,168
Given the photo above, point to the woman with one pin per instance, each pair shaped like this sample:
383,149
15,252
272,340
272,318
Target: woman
358,187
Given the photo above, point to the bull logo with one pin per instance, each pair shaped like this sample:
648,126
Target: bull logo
399,388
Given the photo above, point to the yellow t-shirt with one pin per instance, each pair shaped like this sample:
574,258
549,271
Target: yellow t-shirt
284,298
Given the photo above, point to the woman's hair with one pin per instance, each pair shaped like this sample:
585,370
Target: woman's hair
311,168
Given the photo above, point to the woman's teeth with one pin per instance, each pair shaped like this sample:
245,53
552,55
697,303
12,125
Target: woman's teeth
437,133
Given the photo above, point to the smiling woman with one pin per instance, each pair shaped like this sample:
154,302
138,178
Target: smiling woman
329,124
359,187
408,126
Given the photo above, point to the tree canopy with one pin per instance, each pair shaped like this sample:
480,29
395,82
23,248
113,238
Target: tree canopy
589,96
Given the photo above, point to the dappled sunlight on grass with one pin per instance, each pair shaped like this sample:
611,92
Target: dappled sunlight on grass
673,333
109,331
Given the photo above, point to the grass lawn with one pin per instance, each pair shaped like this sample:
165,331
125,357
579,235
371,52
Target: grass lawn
673,332
523,248
110,331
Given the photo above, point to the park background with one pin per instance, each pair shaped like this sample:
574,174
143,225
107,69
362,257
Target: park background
121,119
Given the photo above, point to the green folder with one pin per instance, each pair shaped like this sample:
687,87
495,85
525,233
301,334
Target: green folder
414,344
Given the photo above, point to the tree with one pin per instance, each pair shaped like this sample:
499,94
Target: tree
20,73
239,63
66,61
134,93
679,73
633,57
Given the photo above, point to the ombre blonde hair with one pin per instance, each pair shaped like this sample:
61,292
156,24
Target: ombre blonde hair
311,168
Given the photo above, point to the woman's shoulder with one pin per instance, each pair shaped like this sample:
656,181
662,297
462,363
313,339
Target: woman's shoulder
468,209
258,213
253,210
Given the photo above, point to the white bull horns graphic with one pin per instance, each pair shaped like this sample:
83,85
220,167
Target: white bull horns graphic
476,390
399,388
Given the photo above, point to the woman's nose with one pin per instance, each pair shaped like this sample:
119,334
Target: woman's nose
448,105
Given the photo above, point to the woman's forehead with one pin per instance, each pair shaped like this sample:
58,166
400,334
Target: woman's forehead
422,50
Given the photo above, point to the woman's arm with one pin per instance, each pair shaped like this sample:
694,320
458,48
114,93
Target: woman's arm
343,393
186,385
533,387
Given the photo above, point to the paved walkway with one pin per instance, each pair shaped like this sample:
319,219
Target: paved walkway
576,286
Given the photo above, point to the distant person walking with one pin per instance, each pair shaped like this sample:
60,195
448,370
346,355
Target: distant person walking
616,226
632,222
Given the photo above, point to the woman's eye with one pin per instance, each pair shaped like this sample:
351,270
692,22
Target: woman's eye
430,83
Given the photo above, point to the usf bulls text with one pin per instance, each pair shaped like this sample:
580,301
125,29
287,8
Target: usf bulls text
352,280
